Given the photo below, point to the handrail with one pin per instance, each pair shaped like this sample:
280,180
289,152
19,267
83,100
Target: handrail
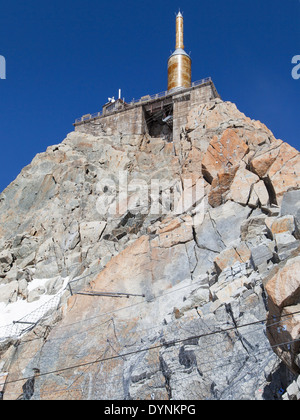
144,99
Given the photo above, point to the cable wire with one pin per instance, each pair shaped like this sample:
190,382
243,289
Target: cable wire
165,344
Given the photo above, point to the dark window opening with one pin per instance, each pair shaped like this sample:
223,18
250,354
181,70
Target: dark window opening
159,122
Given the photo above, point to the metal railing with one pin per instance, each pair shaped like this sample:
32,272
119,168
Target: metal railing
21,326
144,99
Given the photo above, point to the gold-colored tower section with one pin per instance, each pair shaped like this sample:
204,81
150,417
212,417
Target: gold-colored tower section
180,63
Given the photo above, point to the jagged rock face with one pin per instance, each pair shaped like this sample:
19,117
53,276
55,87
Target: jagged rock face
202,235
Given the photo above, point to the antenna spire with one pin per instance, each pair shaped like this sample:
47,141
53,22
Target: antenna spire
179,63
179,31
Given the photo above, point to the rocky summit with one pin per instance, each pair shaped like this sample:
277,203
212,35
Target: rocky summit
135,267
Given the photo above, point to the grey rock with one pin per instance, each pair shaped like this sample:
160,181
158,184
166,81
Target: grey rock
26,247
22,288
291,205
205,261
6,257
261,255
9,292
286,244
90,232
6,261
183,339
35,294
293,390
207,236
28,261
239,269
71,240
253,226
227,220
47,269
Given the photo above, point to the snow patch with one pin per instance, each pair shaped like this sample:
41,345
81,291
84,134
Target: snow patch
37,283
21,310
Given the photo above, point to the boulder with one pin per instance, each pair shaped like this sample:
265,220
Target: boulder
9,292
22,288
284,287
48,268
173,234
6,260
90,232
225,292
286,244
262,162
259,195
230,256
285,170
35,294
279,166
253,227
227,221
291,205
241,186
207,236
205,262
261,255
220,186
223,153
285,224
26,247
283,290
285,154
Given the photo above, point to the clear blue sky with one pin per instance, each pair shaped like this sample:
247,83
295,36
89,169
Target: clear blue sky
66,57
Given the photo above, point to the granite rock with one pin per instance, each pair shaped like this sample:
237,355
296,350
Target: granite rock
189,281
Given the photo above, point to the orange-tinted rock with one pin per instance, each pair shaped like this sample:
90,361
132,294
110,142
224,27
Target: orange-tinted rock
223,153
261,163
283,224
291,320
230,256
284,287
286,153
191,166
173,234
280,166
259,195
226,258
220,186
283,325
255,134
288,177
174,224
241,186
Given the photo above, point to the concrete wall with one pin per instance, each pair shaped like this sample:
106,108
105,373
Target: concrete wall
132,121
126,122
184,102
